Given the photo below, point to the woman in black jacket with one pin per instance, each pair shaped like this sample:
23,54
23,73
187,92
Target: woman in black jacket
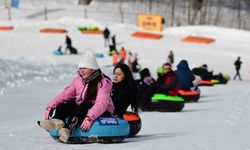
124,91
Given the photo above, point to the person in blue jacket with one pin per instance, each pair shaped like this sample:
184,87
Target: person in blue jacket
185,75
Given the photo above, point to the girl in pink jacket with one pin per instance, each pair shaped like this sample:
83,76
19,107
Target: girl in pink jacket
84,100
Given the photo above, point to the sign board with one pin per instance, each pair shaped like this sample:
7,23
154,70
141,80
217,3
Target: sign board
150,22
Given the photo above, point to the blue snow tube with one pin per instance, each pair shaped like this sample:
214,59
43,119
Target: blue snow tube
99,55
103,130
57,52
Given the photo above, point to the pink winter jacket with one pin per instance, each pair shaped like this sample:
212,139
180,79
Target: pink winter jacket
77,89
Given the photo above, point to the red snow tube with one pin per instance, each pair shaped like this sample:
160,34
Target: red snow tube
189,95
6,28
134,122
206,83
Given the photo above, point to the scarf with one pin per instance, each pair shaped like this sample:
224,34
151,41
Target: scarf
95,74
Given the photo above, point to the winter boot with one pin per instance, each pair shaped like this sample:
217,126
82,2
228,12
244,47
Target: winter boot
51,124
64,134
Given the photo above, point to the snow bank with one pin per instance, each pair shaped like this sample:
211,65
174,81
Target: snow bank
15,73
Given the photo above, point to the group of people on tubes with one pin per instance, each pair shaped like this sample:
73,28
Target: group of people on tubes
92,94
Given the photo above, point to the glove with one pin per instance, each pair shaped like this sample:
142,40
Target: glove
148,80
86,123
48,112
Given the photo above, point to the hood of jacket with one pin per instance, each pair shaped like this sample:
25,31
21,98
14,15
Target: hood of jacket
183,65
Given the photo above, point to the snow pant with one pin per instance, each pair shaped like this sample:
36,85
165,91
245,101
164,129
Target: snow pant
122,61
237,74
145,95
67,48
106,41
73,50
73,114
135,67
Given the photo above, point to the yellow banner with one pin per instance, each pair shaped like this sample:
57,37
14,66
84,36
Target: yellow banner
149,22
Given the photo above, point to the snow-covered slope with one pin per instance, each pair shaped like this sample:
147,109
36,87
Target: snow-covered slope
30,76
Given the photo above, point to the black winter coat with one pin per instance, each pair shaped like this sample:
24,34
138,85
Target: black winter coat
106,33
185,75
237,64
122,96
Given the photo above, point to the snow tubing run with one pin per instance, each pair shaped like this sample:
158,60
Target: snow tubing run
166,103
134,122
103,130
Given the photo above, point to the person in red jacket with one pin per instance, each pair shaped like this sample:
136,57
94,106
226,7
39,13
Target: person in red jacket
168,82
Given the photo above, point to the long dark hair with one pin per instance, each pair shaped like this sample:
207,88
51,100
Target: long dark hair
131,84
92,87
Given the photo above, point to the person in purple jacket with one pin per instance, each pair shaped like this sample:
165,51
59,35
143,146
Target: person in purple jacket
80,103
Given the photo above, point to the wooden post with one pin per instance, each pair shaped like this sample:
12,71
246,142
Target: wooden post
9,13
122,16
172,13
239,14
184,10
150,6
189,12
121,12
45,13
201,15
85,13
232,22
244,24
205,12
6,4
165,16
209,14
218,13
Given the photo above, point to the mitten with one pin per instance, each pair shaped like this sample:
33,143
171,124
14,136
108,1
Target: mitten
148,80
48,112
86,123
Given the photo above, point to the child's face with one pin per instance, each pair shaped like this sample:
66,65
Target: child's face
85,72
118,75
